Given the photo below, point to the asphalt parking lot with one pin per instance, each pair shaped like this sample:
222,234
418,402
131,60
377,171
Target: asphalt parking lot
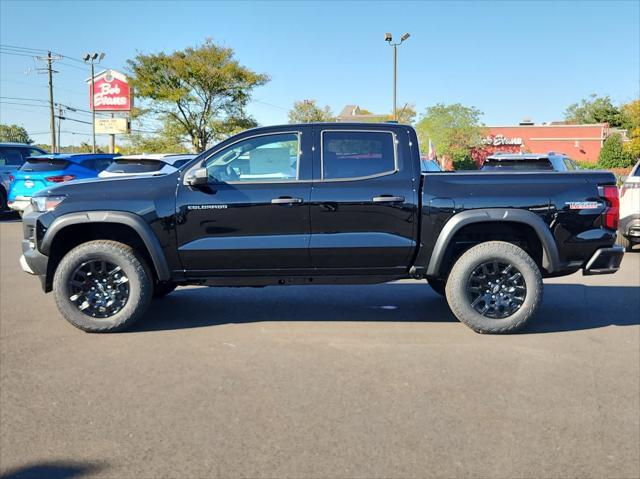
323,381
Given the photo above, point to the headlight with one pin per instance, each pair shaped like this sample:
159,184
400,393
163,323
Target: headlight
43,204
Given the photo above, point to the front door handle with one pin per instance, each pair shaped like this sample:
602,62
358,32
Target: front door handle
388,199
285,200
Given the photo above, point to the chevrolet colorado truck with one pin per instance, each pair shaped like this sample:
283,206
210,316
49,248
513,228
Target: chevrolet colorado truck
326,203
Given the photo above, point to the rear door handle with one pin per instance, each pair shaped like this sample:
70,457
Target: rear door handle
285,200
388,199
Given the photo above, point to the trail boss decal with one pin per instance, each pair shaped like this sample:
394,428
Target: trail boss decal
206,207
583,205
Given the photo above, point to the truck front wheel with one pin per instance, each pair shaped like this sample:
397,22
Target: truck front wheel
494,287
102,286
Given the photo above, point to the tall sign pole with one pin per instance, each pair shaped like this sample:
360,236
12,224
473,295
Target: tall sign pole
93,58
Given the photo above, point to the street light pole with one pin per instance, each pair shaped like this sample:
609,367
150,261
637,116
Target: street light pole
388,38
92,59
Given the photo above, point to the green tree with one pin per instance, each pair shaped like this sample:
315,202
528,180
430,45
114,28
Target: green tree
454,129
631,122
168,139
201,90
14,133
594,110
406,114
306,111
613,155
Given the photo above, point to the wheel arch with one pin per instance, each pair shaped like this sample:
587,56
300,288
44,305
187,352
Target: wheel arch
550,259
116,223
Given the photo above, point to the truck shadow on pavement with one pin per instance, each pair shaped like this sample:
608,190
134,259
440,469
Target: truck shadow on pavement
565,307
52,470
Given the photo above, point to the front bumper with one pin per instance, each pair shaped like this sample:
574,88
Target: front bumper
20,203
630,228
604,261
32,260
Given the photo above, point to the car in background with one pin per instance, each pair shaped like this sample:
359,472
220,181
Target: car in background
529,162
429,166
154,164
40,172
12,156
629,229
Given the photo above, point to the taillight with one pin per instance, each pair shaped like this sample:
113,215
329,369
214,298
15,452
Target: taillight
611,215
11,178
59,178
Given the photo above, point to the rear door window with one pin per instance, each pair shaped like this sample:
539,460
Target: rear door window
10,157
44,164
357,154
135,166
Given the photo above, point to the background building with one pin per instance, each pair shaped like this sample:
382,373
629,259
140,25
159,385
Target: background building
579,142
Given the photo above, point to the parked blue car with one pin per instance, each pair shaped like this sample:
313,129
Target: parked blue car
40,172
12,156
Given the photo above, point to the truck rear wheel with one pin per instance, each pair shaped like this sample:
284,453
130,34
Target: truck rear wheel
102,286
494,287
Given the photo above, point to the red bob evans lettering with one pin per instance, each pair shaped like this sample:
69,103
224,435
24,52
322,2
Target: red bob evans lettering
112,92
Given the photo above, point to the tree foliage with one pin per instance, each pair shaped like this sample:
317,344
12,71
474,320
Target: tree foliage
613,154
203,91
406,114
631,122
14,133
306,111
595,109
454,129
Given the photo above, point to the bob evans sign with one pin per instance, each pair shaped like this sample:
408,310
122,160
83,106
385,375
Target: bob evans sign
112,92
500,140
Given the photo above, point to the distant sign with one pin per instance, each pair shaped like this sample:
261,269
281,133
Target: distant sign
111,92
500,140
112,126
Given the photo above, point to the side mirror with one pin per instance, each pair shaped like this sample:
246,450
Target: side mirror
623,178
198,177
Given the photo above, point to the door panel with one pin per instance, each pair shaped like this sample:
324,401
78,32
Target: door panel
253,215
369,222
232,226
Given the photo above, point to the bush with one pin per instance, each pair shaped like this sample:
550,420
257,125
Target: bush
588,165
613,154
462,160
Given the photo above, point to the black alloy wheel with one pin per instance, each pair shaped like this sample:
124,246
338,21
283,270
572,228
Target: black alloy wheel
496,290
98,288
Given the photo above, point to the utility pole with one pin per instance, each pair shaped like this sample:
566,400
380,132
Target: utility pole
50,71
59,125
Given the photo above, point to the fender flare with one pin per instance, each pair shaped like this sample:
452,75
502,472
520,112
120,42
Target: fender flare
134,221
550,255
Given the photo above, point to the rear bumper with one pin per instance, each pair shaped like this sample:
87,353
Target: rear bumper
604,261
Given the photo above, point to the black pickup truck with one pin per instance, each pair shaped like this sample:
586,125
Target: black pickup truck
319,203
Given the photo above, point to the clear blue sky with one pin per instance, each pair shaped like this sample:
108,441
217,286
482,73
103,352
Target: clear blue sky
509,59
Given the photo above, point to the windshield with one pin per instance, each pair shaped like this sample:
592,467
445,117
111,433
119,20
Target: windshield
135,166
541,164
44,164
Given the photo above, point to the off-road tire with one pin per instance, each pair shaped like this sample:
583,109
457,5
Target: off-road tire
133,266
163,288
460,301
624,242
439,286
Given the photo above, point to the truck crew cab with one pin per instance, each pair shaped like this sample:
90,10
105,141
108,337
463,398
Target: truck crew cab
319,203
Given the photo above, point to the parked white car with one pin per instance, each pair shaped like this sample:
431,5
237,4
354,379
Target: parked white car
154,164
629,230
